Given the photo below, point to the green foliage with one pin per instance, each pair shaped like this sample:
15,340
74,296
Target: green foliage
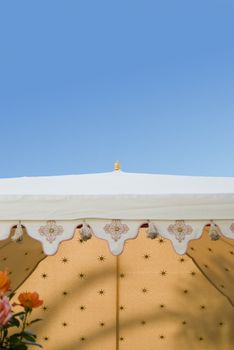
22,338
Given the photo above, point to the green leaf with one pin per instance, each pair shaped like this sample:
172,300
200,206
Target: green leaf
14,322
29,337
36,320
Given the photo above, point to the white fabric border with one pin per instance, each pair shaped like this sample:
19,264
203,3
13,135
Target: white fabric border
115,232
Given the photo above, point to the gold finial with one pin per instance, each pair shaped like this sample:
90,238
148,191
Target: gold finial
117,166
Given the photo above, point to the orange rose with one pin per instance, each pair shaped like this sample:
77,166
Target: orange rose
4,282
30,300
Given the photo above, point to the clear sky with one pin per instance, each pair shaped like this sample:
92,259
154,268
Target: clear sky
86,82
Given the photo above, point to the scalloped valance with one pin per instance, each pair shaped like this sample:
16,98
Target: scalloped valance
113,206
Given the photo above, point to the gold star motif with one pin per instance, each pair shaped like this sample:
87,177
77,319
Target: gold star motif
184,322
144,290
46,338
193,273
202,307
64,293
82,307
102,324
200,338
161,337
44,275
82,338
122,275
64,260
82,275
121,338
64,324
161,241
101,292
143,323
44,308
122,307
146,256
161,306
163,273
101,258
231,252
182,260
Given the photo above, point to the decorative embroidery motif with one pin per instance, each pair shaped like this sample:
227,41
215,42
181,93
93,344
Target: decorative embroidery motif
180,230
51,230
116,229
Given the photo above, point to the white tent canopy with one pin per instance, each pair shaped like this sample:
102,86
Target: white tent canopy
114,206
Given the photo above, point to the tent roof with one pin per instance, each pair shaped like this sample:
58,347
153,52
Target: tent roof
117,195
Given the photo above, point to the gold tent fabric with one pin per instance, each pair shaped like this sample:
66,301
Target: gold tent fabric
147,298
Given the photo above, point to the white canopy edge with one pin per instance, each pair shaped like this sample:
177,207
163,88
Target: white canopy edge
115,205
117,195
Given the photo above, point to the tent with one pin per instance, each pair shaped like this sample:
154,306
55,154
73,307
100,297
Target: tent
123,261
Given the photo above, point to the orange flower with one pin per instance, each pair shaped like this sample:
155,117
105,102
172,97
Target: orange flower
4,282
30,300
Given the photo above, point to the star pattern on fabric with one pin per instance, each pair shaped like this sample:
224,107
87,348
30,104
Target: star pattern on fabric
161,240
182,260
82,275
139,274
101,258
163,273
146,256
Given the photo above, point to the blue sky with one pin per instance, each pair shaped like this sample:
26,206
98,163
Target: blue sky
148,82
